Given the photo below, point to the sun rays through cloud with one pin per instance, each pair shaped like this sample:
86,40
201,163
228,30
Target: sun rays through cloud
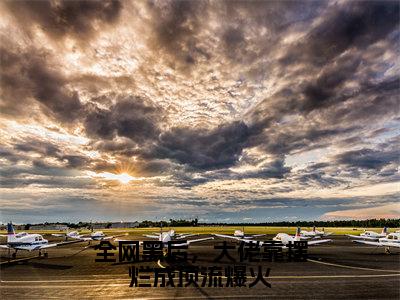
221,109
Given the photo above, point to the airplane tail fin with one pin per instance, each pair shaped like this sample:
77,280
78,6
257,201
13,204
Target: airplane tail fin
10,232
384,230
298,232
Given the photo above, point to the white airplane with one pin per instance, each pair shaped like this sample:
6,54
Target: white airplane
165,237
28,242
175,235
94,236
391,240
240,233
72,235
370,235
315,233
99,236
284,238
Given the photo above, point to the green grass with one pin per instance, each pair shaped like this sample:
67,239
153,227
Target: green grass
221,230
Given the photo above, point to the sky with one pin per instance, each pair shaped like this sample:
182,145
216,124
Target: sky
225,111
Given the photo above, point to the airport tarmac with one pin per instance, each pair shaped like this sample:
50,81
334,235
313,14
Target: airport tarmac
337,270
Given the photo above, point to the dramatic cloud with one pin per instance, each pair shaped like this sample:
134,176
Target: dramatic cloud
59,19
214,108
391,211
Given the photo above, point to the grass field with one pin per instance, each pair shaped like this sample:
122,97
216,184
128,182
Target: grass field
222,230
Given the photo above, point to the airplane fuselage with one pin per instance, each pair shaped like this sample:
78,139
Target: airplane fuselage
238,233
25,239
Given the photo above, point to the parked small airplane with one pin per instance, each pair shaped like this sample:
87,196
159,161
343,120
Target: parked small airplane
175,235
391,240
94,236
72,235
281,237
99,236
314,233
240,233
370,235
286,238
165,237
28,242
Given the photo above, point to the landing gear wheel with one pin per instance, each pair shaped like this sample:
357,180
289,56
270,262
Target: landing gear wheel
46,254
14,255
40,254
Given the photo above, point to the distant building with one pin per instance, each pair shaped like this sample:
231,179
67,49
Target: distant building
124,224
59,227
16,227
104,225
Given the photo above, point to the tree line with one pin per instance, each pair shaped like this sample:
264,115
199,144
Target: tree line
392,223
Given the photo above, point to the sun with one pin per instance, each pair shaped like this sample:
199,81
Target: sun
122,177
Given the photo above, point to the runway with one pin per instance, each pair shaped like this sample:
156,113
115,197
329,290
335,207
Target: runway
338,270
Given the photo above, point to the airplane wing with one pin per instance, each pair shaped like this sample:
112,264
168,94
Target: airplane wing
239,239
106,238
38,247
257,235
229,237
378,244
151,236
185,236
59,234
315,242
368,243
363,237
34,247
85,239
199,240
389,244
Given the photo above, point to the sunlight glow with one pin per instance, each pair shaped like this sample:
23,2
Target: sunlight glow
123,178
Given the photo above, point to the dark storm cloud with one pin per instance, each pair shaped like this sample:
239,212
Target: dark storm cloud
37,167
251,29
356,24
130,117
202,149
181,27
279,141
369,158
316,202
176,24
37,146
329,79
188,177
61,18
53,182
26,75
374,101
328,85
319,179
10,155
